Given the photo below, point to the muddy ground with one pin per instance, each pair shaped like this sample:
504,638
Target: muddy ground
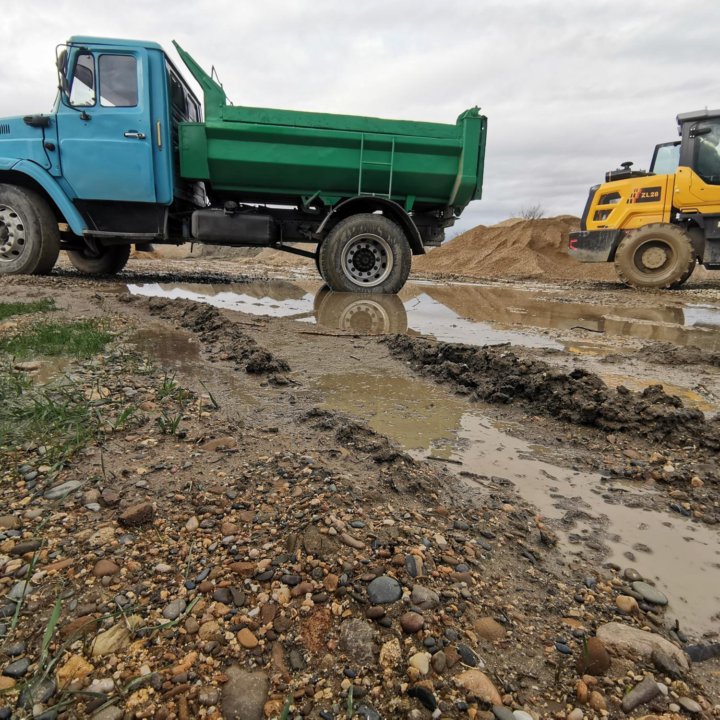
330,504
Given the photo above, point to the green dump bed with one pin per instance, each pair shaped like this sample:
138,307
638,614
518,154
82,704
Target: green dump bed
258,154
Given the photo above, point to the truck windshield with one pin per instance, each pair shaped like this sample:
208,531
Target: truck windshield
666,158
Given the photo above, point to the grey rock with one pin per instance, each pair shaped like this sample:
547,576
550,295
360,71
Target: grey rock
209,696
19,590
701,653
621,639
174,609
383,590
649,593
642,693
632,575
37,692
244,694
367,712
689,705
25,546
297,662
17,669
666,665
424,598
59,491
93,507
357,639
502,713
13,649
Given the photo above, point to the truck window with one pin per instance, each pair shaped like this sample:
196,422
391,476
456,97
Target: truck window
707,154
118,81
184,106
82,90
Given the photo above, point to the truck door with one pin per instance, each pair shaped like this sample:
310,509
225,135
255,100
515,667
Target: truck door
104,132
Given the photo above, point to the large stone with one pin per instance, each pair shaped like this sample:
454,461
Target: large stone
74,668
593,658
623,639
60,491
9,522
244,694
383,590
357,640
105,567
477,683
489,629
116,638
650,594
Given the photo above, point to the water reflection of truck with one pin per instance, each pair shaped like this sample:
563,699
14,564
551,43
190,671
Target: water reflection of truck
126,158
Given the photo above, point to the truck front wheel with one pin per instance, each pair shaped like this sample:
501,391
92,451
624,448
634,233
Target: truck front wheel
108,260
29,235
365,253
658,255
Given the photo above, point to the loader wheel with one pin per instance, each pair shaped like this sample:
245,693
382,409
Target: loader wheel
365,253
110,260
29,235
655,256
365,314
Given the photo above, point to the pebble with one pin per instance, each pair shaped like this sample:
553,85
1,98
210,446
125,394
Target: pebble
627,604
649,593
13,649
489,629
59,491
689,705
424,696
575,714
503,713
137,514
244,694
357,640
383,590
105,568
593,658
247,639
174,609
19,590
411,622
468,656
17,669
424,598
642,693
421,662
522,715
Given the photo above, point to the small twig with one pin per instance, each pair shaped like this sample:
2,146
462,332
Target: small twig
444,460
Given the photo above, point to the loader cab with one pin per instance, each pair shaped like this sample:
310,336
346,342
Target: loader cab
666,158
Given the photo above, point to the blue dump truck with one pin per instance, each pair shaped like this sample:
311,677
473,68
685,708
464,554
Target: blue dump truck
129,155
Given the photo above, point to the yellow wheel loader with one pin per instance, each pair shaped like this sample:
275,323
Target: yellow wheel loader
656,226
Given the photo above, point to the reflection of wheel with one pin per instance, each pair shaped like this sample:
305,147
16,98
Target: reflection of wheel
110,260
360,313
29,235
365,253
655,256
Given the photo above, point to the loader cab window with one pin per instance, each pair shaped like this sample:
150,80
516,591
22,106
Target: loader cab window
82,89
706,155
666,158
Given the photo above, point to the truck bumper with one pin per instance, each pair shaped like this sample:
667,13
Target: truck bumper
594,245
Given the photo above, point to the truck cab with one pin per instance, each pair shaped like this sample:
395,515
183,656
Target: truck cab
129,155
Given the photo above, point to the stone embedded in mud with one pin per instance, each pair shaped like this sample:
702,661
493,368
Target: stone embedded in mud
489,629
105,568
60,491
478,684
137,514
244,694
424,598
624,639
649,593
9,522
594,658
383,590
357,640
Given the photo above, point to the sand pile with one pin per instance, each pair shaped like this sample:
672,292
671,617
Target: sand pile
513,249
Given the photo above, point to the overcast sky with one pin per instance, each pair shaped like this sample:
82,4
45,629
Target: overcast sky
570,88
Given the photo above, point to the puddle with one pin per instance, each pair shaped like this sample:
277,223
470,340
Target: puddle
684,560
472,314
689,397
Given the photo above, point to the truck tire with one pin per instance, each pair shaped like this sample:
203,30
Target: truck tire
658,255
112,260
365,253
371,315
29,234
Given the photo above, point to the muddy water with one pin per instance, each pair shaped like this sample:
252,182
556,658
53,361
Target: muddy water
472,314
683,558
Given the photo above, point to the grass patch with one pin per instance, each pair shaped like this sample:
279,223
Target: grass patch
80,339
8,309
56,416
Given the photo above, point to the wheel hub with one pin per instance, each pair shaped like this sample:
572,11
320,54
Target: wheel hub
367,260
654,258
12,234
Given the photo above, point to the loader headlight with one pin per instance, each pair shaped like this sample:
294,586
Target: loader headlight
601,215
610,199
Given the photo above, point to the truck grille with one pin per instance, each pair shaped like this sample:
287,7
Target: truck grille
4,129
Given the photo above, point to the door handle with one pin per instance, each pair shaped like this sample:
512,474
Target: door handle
134,134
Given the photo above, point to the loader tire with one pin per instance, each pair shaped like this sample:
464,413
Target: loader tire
655,256
112,260
365,253
29,234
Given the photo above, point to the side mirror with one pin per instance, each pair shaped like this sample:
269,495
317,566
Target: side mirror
61,65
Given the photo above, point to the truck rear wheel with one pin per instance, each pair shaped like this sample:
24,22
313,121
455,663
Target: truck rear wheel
365,253
110,260
655,256
369,315
29,235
